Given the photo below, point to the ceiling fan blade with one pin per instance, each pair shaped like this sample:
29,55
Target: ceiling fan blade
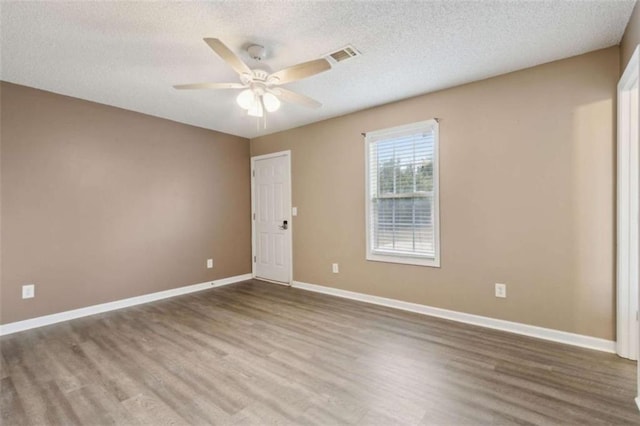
210,86
295,98
300,71
229,57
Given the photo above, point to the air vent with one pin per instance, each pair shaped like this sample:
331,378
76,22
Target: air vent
343,54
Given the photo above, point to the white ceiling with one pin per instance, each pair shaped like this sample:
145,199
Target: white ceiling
129,54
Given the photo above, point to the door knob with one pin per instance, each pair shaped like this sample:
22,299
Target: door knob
285,225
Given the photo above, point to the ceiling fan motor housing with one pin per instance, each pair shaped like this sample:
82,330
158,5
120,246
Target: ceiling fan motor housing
256,52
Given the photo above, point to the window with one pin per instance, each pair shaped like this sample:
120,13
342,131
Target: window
402,194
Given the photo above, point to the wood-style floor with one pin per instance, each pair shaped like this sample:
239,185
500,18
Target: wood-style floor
257,353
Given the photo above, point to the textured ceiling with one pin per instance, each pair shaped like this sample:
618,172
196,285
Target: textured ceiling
129,54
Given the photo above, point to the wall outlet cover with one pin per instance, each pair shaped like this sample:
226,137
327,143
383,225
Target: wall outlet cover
28,291
209,263
501,290
335,268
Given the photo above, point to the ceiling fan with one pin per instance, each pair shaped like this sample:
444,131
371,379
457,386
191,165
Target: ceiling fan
262,90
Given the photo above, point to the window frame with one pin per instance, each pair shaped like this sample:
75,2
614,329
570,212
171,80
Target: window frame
408,259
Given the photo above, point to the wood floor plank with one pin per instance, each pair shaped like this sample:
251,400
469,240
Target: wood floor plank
94,405
148,410
11,411
256,353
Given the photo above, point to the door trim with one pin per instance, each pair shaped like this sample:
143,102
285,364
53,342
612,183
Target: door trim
286,154
627,234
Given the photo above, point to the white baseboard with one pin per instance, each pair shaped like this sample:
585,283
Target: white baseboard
17,326
497,324
638,402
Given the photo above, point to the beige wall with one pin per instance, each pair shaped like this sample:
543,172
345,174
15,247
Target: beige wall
527,197
100,204
631,38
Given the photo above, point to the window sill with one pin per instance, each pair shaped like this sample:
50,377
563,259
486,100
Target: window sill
406,260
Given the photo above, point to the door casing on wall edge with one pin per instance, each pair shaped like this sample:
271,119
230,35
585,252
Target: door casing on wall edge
628,202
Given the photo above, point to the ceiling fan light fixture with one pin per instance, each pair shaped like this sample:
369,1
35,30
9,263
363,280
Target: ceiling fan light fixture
246,99
259,94
271,102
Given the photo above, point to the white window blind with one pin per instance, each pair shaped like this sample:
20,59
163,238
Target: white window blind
402,194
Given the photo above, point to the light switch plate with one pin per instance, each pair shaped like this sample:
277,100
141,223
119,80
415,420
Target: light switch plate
294,211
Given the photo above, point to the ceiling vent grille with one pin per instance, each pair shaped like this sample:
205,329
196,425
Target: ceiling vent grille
343,54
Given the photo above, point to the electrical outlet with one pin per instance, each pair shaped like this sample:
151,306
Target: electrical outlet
209,263
501,290
28,291
334,268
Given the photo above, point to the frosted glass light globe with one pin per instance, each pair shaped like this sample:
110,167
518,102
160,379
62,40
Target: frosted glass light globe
246,99
271,102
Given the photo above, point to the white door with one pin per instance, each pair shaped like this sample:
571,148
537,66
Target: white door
271,197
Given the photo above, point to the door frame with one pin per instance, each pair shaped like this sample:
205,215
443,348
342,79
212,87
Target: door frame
286,154
628,232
